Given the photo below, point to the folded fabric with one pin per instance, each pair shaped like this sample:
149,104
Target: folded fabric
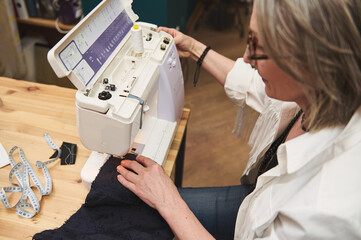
111,212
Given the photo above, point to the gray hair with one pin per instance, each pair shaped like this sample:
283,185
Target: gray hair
318,43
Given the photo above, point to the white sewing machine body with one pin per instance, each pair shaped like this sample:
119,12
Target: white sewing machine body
125,101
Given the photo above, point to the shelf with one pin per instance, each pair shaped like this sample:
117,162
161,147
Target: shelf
48,23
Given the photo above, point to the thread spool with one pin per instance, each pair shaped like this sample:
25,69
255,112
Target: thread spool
137,40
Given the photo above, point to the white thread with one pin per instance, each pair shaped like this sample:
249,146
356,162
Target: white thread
137,39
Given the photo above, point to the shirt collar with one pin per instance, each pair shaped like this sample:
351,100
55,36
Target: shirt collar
296,153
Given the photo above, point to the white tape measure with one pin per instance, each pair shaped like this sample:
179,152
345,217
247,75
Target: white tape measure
22,171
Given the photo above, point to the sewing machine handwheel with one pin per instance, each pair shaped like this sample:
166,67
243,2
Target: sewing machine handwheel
104,95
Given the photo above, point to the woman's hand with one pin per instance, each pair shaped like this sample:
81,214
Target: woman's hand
184,43
149,182
216,64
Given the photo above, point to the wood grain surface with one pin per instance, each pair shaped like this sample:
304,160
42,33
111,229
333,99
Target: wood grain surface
27,111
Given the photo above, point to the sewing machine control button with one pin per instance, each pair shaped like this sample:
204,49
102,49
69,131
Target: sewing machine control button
170,60
149,37
174,63
166,40
146,108
163,47
112,87
105,80
104,95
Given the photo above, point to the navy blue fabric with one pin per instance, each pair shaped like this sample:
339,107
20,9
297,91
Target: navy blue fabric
216,207
111,212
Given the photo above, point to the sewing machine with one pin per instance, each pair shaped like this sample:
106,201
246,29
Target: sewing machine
130,84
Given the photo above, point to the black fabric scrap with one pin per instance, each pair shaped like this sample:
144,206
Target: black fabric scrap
68,153
111,212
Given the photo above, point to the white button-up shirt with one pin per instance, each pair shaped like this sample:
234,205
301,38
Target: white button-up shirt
315,190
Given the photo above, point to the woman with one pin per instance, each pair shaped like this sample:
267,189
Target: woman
302,180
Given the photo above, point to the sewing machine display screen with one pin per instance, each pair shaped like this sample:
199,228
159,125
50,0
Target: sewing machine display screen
95,42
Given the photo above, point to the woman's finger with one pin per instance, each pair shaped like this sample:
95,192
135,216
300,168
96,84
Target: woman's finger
127,174
129,185
146,162
165,29
132,165
170,31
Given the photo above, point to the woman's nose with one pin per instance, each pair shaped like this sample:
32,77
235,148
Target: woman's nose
245,57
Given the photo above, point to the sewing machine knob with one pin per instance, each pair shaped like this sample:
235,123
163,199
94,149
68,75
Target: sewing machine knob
169,61
146,108
166,40
112,87
149,37
104,95
163,47
174,63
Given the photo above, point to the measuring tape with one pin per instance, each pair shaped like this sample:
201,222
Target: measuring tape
22,171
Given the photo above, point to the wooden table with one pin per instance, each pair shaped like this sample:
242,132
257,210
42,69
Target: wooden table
27,111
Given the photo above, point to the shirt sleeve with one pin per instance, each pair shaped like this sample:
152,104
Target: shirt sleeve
306,224
244,86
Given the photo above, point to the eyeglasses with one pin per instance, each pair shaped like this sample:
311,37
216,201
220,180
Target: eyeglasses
251,50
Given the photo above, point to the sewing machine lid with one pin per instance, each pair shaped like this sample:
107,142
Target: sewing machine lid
85,52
